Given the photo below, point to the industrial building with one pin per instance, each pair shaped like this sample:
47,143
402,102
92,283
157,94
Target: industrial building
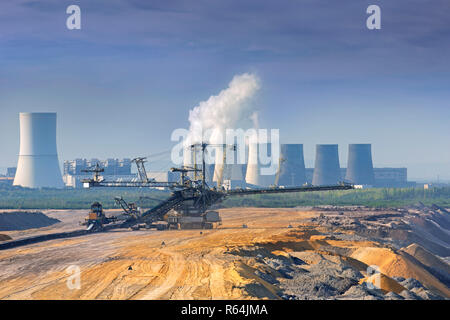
11,172
38,164
115,169
392,178
383,177
112,167
8,178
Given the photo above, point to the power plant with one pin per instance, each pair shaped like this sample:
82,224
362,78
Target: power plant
359,165
38,164
200,186
291,170
326,169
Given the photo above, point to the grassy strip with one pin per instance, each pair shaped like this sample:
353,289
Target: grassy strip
22,198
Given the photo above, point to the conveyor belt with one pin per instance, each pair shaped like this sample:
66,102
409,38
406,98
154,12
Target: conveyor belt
289,189
161,209
51,236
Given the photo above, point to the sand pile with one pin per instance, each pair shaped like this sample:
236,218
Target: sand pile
320,274
17,220
428,227
435,265
385,283
4,237
399,264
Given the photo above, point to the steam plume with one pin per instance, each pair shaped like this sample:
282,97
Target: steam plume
225,110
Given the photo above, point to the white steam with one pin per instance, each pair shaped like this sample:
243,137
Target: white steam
224,111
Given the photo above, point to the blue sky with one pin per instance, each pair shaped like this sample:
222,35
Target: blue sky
129,77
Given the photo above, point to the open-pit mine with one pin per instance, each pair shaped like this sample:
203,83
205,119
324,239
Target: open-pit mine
255,253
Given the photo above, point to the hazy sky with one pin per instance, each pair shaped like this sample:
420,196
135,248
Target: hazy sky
129,77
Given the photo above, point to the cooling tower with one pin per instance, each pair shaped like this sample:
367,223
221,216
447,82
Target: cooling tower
209,173
38,159
267,175
252,175
219,165
292,165
359,165
233,172
188,160
326,168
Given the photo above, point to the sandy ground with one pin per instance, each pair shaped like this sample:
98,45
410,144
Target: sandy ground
189,265
178,264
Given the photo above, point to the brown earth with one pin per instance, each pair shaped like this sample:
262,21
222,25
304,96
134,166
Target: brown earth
230,262
4,237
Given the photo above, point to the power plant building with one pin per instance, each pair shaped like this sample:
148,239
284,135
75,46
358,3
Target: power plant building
392,178
11,172
111,166
38,164
114,169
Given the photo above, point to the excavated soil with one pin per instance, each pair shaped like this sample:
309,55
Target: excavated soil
23,220
4,237
299,253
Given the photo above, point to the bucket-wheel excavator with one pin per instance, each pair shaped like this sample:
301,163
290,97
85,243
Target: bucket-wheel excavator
187,206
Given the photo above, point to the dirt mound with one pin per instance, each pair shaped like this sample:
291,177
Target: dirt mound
436,266
399,264
385,283
425,240
4,237
17,220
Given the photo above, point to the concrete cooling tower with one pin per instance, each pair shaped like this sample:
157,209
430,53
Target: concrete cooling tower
252,175
359,165
292,165
259,165
326,168
38,159
267,179
209,173
232,172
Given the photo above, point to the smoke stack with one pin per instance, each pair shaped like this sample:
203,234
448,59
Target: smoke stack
38,159
252,175
326,168
292,165
359,165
